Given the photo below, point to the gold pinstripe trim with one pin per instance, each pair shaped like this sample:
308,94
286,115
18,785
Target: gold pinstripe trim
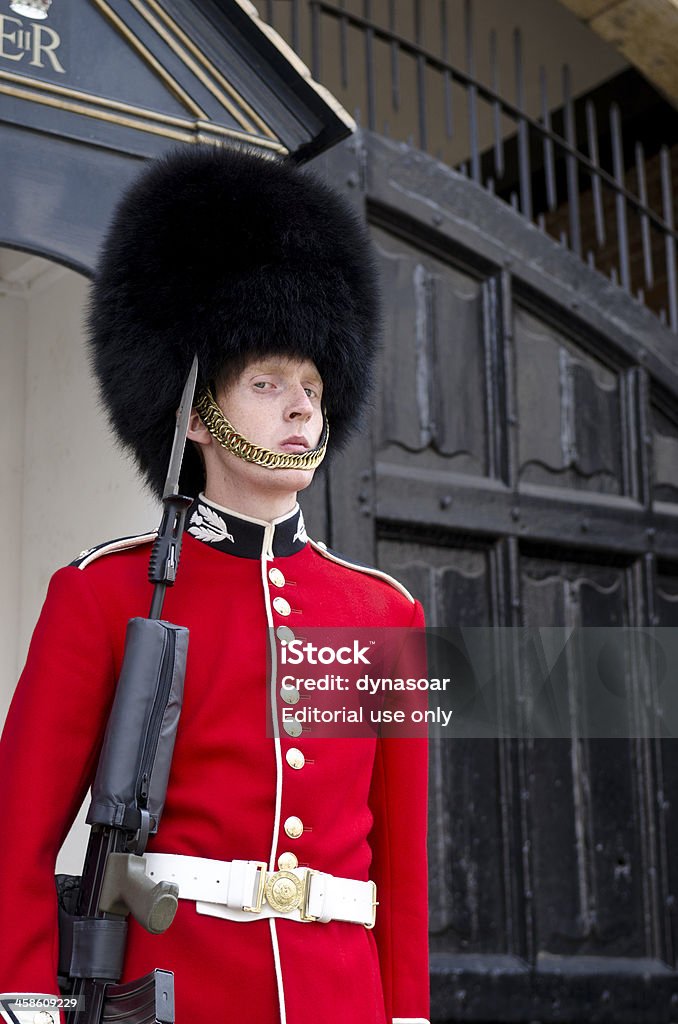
195,127
152,61
103,102
193,57
112,112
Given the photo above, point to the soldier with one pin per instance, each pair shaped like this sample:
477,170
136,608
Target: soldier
264,273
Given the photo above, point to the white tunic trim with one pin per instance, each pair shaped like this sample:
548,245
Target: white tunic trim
85,558
367,569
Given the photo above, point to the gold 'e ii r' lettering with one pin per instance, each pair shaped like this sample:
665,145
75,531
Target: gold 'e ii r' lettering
47,48
9,37
40,41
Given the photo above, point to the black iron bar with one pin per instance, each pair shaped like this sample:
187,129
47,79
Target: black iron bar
549,161
421,79
395,60
576,162
343,46
523,130
596,187
618,168
571,165
472,92
496,108
667,204
369,67
447,80
644,223
316,46
295,25
486,94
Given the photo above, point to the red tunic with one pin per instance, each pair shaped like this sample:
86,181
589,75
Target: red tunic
362,801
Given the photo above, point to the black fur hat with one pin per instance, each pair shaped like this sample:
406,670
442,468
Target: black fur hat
226,253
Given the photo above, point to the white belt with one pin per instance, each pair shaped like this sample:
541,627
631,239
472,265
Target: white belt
245,890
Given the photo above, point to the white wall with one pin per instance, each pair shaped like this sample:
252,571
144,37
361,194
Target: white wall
64,485
13,334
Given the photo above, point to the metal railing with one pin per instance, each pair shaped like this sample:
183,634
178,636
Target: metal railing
565,166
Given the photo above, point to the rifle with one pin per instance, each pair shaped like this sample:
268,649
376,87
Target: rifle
128,796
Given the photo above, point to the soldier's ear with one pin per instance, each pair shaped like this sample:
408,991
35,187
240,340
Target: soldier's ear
197,431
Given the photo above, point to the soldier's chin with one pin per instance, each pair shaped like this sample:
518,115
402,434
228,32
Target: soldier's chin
293,477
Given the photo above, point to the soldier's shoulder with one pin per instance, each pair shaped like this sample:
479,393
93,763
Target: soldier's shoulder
112,547
359,567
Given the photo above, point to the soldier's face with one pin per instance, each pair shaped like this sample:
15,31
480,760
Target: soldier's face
275,402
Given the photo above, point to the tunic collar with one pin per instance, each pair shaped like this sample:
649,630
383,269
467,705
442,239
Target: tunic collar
242,536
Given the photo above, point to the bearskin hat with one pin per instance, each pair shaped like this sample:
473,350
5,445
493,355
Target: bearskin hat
227,254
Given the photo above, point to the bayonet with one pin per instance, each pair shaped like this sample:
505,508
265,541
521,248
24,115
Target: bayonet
162,568
180,431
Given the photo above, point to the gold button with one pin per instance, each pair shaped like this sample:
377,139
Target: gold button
292,728
290,694
287,861
281,606
293,827
276,577
295,758
284,634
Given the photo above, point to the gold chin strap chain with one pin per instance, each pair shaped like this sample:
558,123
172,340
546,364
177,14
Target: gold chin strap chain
229,438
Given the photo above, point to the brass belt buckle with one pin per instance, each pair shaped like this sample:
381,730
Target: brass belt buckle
256,909
284,892
303,910
375,903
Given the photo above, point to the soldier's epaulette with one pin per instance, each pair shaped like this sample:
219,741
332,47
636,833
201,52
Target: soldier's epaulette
369,570
111,547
